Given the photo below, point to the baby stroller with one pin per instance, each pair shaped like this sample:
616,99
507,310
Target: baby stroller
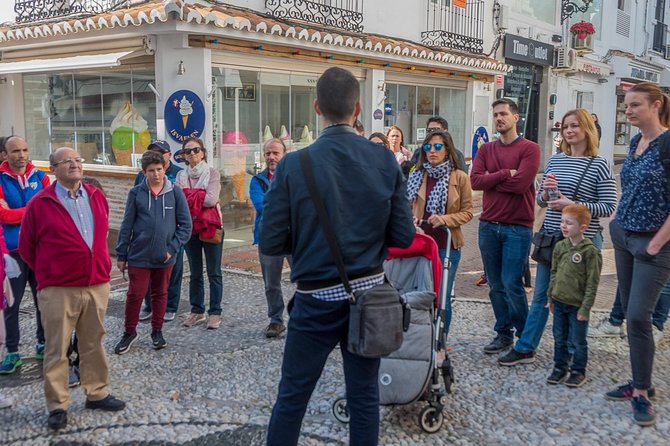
411,373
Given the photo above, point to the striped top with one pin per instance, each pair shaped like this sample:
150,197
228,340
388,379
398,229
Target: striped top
597,191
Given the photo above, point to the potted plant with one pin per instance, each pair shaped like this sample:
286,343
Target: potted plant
582,36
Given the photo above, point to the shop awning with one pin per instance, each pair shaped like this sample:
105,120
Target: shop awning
65,63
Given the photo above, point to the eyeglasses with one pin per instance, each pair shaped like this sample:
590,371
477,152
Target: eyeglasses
193,150
437,146
70,161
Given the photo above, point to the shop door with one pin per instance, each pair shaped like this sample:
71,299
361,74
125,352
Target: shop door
533,113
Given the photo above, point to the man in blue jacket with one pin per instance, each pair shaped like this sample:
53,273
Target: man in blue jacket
271,266
155,227
174,286
363,191
20,181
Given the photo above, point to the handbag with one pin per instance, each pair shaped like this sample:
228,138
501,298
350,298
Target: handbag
215,239
378,316
544,241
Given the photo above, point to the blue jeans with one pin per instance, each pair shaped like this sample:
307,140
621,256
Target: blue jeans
567,329
504,249
538,313
174,286
659,316
196,291
315,328
455,259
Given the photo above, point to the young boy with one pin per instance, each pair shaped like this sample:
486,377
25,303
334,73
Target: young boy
156,224
575,273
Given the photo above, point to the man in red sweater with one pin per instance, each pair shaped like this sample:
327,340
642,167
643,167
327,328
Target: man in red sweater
63,239
505,170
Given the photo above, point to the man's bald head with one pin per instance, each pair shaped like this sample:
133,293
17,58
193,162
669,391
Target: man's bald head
62,153
66,165
15,140
17,154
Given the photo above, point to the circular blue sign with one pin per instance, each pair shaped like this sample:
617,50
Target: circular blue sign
481,137
184,115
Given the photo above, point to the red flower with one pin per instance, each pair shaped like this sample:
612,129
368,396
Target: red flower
582,29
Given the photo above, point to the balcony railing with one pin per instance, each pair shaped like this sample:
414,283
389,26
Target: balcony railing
28,11
455,24
342,14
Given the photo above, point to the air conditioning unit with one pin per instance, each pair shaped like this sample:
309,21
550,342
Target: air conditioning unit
565,58
667,52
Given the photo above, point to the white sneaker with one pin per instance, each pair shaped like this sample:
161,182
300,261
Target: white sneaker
5,401
145,315
169,316
658,334
606,330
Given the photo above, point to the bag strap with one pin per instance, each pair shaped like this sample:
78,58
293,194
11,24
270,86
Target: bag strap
308,171
581,178
664,152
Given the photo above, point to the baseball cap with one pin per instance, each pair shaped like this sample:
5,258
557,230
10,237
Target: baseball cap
160,145
179,156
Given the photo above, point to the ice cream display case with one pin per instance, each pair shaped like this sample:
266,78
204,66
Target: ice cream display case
129,131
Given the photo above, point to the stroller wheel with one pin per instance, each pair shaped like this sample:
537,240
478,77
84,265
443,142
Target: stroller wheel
340,410
431,419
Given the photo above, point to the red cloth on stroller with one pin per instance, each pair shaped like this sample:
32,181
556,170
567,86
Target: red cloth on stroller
424,246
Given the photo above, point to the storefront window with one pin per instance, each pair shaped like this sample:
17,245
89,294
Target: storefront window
409,107
518,88
109,118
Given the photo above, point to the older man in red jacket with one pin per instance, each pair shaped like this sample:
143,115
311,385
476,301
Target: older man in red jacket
64,241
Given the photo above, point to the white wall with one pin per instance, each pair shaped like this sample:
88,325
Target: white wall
6,11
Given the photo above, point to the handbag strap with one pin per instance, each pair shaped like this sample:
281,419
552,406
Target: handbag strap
581,178
308,171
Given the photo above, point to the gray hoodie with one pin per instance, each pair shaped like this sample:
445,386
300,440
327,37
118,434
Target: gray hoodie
153,226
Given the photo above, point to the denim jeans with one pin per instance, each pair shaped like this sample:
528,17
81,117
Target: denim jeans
538,313
455,259
174,286
659,316
504,249
11,314
567,329
194,250
315,328
641,279
271,267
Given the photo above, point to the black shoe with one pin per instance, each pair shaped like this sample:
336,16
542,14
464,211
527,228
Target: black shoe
625,392
643,411
514,358
108,403
57,419
125,343
157,339
274,330
558,376
577,379
499,344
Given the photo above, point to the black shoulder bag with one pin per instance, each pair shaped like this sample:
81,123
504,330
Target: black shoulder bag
545,241
378,315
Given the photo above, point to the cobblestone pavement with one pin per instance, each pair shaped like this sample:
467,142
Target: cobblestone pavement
218,387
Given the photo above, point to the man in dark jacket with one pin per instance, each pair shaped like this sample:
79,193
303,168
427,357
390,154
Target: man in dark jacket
174,286
363,191
155,227
271,266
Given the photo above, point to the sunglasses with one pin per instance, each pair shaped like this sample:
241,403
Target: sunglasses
193,150
437,147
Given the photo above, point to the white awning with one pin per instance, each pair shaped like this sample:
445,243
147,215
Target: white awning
64,63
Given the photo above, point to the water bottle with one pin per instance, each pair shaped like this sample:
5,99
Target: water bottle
553,194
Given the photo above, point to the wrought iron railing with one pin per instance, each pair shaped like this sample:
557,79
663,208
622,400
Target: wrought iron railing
28,11
343,14
455,24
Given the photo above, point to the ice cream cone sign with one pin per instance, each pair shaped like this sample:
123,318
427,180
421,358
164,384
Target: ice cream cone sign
185,110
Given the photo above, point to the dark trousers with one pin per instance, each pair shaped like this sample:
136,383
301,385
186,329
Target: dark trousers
568,330
659,316
196,290
641,279
174,286
12,313
314,330
271,267
139,281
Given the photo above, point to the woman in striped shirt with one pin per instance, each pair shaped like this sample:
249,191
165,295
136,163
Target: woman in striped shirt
597,191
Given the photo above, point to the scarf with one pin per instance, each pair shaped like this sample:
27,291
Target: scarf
200,173
436,203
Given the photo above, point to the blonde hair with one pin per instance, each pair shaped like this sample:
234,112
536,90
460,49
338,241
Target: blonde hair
586,123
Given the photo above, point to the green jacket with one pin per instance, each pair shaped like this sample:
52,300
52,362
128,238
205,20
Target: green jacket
575,274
